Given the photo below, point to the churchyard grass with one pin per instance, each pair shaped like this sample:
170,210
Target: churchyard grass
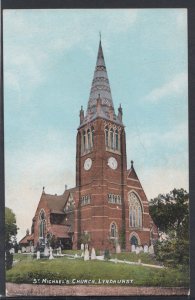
27,271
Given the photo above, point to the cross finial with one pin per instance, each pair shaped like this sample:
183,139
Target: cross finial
43,189
131,163
100,35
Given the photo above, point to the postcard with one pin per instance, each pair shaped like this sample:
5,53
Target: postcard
96,152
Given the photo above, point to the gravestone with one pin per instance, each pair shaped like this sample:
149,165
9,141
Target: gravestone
93,254
82,247
46,251
141,249
12,251
82,254
133,248
51,253
86,246
19,251
137,250
146,249
151,249
38,254
23,249
86,255
32,249
60,251
118,248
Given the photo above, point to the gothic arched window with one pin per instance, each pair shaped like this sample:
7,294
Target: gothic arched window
111,138
92,135
116,139
42,224
135,211
84,140
106,135
89,138
113,230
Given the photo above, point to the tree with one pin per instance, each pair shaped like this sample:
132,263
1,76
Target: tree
10,235
10,228
170,213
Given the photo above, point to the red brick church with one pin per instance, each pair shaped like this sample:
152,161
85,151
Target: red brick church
108,206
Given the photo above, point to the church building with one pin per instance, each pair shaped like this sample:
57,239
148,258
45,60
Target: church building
108,206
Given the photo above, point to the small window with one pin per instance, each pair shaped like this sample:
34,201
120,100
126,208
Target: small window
113,230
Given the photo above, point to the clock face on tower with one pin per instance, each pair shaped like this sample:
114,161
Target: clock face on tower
112,162
87,164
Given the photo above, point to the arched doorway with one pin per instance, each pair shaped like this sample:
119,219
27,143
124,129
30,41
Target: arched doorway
134,241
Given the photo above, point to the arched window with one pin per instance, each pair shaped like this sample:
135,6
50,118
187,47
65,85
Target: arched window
42,224
135,211
84,140
89,138
134,241
92,135
113,230
111,138
106,136
116,139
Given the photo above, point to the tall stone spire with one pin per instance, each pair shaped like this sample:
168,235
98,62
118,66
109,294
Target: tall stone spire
100,102
100,84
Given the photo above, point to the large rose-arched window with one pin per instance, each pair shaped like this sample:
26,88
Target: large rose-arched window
135,211
42,224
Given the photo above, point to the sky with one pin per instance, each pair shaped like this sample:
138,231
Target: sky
49,61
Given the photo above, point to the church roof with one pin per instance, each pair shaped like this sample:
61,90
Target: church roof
26,239
100,92
56,203
60,231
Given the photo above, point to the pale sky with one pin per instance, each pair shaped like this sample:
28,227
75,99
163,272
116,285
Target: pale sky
49,60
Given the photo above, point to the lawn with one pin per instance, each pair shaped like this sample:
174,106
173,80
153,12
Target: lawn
28,270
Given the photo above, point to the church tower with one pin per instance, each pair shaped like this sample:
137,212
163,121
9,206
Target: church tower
101,166
108,208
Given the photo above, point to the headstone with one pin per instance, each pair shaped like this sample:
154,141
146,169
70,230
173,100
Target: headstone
86,255
141,249
23,249
93,254
118,248
139,261
32,249
146,249
46,251
60,251
28,249
38,254
12,251
86,246
151,249
82,247
133,248
116,260
75,256
137,250
19,251
51,253
82,254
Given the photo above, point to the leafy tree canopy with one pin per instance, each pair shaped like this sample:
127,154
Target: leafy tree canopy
10,228
170,212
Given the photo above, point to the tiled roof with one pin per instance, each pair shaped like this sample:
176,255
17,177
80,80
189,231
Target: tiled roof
60,231
26,239
56,203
